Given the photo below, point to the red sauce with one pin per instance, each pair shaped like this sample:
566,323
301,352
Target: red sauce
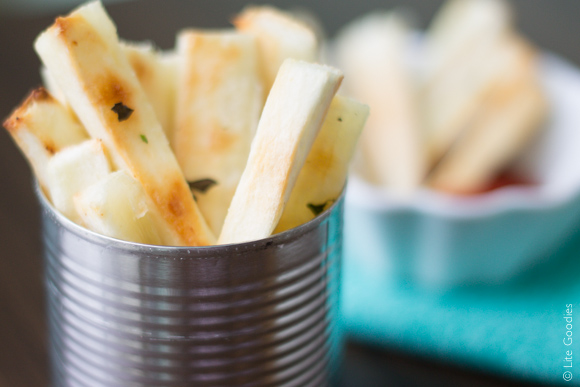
503,180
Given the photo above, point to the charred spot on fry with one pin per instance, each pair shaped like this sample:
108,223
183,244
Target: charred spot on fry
175,205
123,111
50,148
40,93
317,209
60,24
201,185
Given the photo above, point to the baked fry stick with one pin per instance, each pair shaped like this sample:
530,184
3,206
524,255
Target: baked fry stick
280,36
372,51
459,27
73,169
290,121
510,115
219,104
42,126
323,175
157,73
83,54
118,207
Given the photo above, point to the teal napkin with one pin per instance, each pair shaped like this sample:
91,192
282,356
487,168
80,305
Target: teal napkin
518,329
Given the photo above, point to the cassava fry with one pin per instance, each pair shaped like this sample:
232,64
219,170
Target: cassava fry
493,142
117,206
219,104
51,86
290,121
83,54
462,53
157,73
372,53
280,36
451,105
42,126
323,175
459,27
510,115
71,170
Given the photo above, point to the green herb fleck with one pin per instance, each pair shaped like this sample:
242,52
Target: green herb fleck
201,185
339,119
317,209
144,138
123,112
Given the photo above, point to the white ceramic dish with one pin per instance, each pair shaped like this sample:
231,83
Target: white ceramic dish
441,240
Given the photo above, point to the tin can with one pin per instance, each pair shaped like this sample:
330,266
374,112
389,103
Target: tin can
263,313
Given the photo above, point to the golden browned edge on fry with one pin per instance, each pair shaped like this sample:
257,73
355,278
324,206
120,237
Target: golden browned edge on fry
74,50
41,126
20,113
17,121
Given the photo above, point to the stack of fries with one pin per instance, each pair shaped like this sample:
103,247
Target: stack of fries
456,114
234,135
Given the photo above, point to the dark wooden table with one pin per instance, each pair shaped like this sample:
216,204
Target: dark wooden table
552,24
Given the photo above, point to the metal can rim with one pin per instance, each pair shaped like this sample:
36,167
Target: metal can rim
192,251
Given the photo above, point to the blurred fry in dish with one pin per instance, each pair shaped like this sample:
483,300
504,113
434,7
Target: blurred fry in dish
459,112
373,51
510,113
458,28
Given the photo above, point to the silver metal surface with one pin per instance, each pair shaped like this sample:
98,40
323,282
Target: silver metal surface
262,313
